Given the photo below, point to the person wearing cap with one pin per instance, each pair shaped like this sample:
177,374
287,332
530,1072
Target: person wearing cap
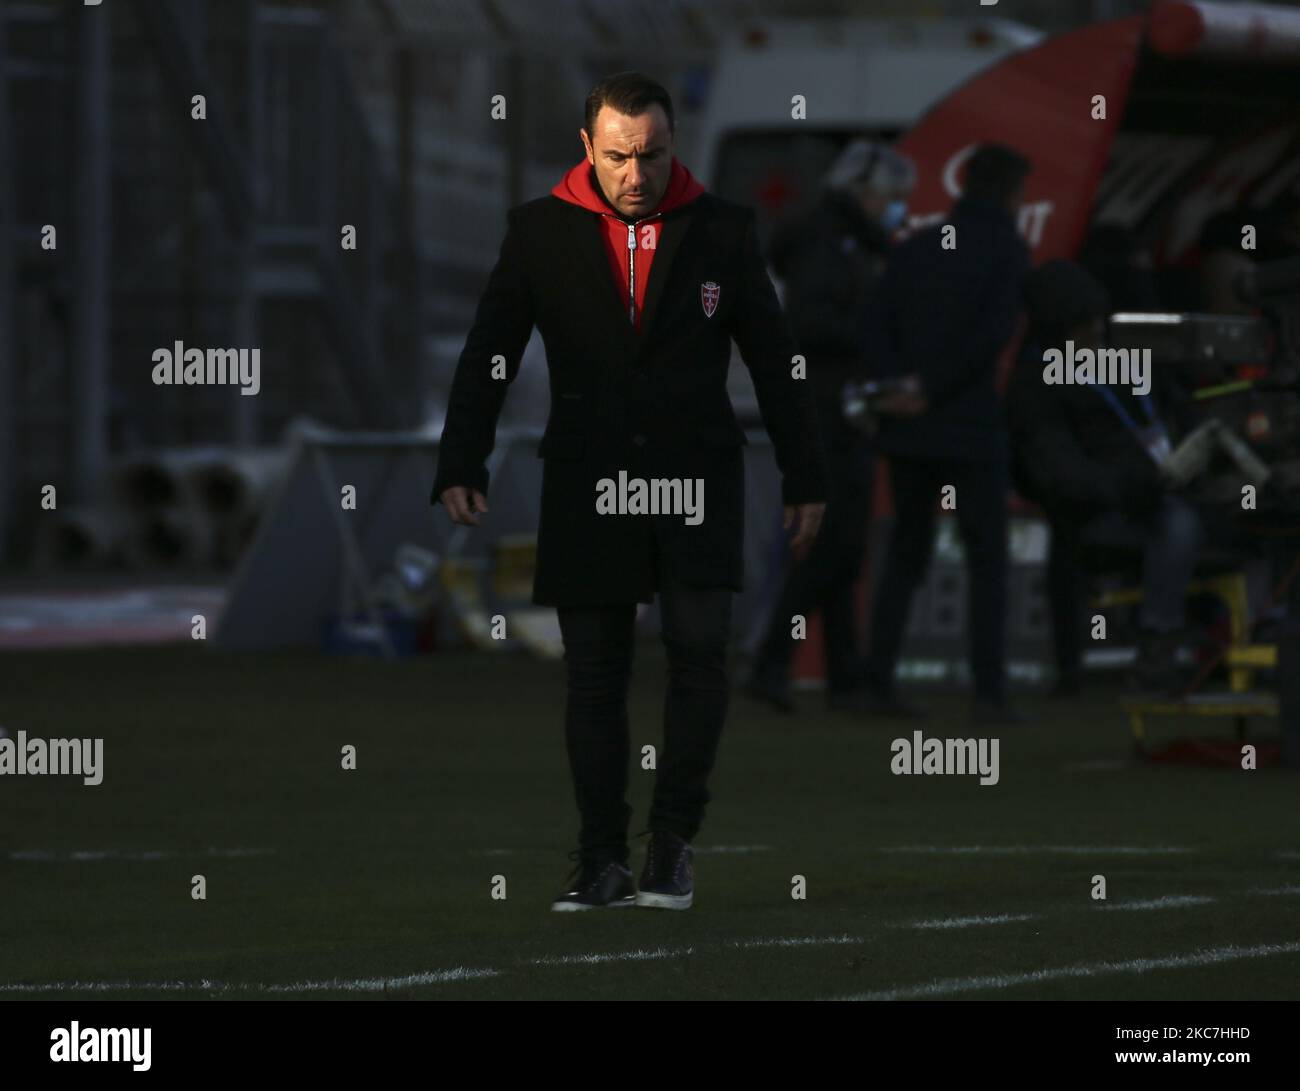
828,262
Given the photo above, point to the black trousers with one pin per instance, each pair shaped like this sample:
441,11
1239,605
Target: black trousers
981,511
598,647
824,579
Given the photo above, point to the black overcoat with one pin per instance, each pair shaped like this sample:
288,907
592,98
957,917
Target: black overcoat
652,404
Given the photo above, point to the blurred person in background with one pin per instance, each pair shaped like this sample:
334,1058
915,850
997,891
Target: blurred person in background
1081,452
829,262
1223,259
947,305
1123,266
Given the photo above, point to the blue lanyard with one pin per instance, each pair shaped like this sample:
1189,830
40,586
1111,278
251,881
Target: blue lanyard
1109,395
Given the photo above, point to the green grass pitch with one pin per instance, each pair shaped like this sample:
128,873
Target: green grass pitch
374,883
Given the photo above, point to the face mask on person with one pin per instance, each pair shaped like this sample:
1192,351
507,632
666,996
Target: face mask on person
893,216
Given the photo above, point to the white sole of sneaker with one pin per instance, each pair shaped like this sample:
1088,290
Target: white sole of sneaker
575,907
665,901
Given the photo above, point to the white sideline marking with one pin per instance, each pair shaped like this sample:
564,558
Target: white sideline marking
83,855
795,941
1133,966
361,984
638,955
461,973
380,984
1028,850
967,922
110,986
1167,902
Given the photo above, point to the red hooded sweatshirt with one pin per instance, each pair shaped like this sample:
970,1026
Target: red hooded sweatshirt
629,244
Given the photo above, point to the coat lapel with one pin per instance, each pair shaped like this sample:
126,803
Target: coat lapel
674,231
595,262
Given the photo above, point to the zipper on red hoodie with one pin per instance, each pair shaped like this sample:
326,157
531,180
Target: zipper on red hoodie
631,259
577,187
631,270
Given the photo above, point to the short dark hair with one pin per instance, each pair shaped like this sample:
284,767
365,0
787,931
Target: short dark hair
994,172
628,93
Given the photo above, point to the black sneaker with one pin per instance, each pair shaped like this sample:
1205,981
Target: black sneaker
600,884
668,881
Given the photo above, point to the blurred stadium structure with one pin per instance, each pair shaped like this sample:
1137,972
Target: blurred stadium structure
367,112
372,113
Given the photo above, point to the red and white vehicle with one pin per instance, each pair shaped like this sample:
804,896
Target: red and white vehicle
1201,115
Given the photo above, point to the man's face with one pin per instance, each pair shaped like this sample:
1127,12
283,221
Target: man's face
632,157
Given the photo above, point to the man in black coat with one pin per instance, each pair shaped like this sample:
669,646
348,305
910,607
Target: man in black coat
947,304
638,280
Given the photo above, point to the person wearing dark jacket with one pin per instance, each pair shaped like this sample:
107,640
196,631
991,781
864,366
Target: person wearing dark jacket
638,280
947,304
1114,256
828,262
1080,455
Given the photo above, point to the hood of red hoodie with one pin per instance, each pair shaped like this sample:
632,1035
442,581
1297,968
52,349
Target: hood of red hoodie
578,187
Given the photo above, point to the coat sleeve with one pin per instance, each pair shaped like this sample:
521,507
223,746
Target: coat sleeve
502,325
787,404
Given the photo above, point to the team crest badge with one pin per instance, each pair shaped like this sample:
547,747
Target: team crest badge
709,292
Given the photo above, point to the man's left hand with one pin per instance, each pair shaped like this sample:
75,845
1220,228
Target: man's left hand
807,521
908,400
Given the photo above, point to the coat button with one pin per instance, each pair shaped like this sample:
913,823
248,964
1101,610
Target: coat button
639,440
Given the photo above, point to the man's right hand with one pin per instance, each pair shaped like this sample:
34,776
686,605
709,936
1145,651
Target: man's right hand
461,503
908,401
